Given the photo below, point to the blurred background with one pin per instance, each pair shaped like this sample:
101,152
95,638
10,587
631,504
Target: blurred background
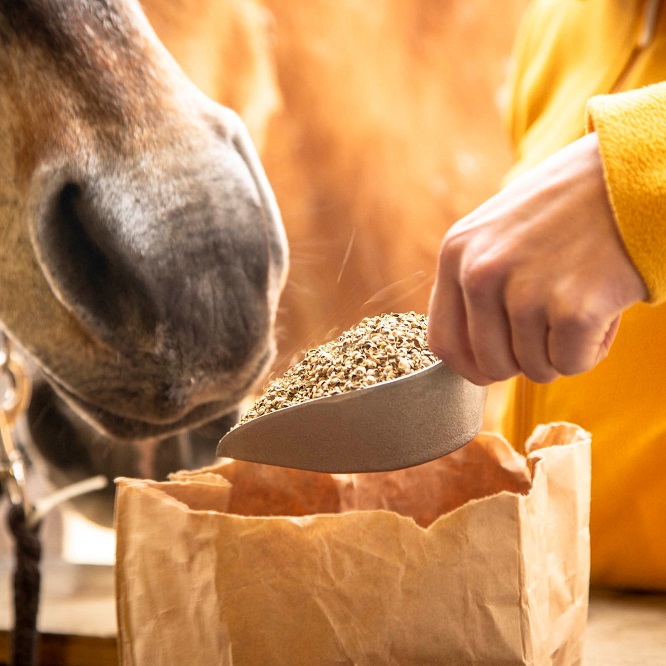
379,124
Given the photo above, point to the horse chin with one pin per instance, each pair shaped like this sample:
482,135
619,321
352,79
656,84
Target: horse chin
70,444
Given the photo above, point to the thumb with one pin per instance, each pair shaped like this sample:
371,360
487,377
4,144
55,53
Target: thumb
608,340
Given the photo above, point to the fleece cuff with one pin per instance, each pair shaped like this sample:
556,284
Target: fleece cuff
631,127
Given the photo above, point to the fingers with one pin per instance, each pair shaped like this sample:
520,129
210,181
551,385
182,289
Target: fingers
579,339
487,336
488,326
566,336
479,337
447,330
529,334
468,329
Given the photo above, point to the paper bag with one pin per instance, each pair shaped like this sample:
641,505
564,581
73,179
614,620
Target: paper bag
481,557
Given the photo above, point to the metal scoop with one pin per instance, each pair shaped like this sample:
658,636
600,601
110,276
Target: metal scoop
392,425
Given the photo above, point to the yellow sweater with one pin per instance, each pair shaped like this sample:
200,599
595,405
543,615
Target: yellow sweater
593,64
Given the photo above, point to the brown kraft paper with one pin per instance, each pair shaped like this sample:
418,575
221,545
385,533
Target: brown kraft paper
480,557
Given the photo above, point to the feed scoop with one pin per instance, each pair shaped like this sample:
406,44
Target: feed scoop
391,425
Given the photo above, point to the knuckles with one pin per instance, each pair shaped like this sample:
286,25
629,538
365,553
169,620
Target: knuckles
480,277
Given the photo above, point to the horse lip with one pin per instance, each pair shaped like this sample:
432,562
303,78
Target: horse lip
126,427
131,428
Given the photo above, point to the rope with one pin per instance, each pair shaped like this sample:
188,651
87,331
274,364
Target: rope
27,580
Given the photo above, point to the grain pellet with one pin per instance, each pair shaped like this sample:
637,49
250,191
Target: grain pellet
376,350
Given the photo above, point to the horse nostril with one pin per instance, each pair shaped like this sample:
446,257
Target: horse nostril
86,272
79,259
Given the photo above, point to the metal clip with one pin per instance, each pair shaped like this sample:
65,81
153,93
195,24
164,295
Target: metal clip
14,399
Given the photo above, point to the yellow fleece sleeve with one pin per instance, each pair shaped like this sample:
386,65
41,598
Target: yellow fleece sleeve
631,127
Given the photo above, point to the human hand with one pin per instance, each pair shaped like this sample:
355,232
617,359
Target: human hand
534,281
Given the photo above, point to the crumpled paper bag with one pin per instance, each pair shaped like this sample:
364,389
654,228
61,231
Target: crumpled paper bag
480,557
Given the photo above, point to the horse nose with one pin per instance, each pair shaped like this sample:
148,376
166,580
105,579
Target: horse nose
175,257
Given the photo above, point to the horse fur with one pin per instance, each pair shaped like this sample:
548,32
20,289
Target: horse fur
142,252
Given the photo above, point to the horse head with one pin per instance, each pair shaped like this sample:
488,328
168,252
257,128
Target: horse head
142,252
